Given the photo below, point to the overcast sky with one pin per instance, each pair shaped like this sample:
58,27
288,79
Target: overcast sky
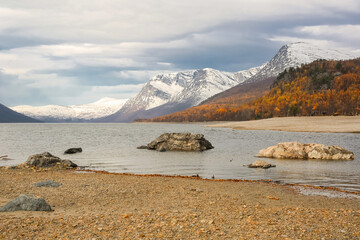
75,52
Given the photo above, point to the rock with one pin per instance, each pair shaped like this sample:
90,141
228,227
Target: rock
49,183
295,150
73,150
260,164
26,203
142,147
46,160
180,142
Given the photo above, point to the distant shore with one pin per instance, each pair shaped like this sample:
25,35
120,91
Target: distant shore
92,205
331,124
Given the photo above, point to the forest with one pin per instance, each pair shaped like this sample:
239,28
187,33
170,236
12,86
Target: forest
320,88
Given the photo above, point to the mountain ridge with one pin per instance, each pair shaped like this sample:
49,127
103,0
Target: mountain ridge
72,113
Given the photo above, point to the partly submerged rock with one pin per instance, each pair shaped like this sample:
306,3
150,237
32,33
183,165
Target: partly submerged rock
142,147
26,203
260,164
295,150
73,150
180,142
47,160
49,183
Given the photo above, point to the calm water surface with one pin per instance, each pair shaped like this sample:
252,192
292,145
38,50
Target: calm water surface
112,147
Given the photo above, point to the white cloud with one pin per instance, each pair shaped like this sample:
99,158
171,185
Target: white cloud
340,32
344,36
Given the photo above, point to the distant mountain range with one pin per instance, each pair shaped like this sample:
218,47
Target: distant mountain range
73,113
9,116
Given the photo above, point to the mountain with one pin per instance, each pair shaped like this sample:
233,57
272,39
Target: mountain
168,93
296,54
289,56
9,116
323,87
73,113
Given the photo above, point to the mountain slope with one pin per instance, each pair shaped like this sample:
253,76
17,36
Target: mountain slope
320,88
73,113
292,55
9,116
168,93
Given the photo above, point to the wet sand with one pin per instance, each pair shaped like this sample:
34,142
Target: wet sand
335,124
110,206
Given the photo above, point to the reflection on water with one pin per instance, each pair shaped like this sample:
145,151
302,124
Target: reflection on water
112,147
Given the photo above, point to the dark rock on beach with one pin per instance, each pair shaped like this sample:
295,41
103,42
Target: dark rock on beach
180,142
49,183
73,150
47,160
26,203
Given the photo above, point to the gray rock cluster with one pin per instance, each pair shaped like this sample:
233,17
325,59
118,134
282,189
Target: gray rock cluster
179,142
295,150
26,203
47,160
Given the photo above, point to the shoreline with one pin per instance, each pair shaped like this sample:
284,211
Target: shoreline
269,181
104,205
321,124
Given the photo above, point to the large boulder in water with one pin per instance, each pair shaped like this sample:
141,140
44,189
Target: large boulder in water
295,150
26,203
47,160
180,142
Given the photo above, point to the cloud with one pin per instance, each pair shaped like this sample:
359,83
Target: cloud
74,51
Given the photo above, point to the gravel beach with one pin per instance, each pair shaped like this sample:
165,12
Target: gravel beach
92,205
335,124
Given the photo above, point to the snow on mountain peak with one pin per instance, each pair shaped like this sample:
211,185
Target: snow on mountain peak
295,54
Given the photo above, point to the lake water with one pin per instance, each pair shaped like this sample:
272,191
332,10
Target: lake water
112,147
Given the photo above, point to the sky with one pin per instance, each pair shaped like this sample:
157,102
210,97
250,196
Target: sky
76,52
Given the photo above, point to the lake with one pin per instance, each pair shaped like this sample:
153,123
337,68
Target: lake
112,147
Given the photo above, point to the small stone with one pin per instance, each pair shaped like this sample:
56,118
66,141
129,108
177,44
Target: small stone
49,183
73,150
260,164
142,147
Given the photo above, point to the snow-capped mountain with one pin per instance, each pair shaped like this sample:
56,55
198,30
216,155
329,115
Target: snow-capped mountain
291,55
167,93
295,54
73,113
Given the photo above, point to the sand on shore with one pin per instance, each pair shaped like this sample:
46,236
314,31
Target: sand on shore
108,206
335,124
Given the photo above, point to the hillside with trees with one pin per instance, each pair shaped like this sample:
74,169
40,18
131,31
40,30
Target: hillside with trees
319,88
